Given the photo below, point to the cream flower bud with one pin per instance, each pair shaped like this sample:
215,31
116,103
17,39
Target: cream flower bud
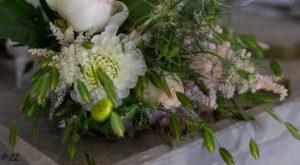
157,96
83,15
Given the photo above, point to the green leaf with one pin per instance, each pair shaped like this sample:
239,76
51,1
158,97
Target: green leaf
254,149
72,150
251,43
62,111
293,130
276,68
141,85
273,114
108,86
54,78
244,74
13,135
21,22
43,88
75,138
238,114
131,113
256,98
89,158
185,101
117,124
40,73
32,108
140,12
226,156
65,134
208,139
83,91
175,127
35,125
159,81
88,45
25,102
170,49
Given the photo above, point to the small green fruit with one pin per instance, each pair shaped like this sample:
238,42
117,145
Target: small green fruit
102,110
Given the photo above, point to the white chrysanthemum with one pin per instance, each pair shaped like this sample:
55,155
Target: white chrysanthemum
122,63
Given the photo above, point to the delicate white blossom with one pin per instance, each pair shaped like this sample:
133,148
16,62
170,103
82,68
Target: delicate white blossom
122,62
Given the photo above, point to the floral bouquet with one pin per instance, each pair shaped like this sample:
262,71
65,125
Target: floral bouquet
108,66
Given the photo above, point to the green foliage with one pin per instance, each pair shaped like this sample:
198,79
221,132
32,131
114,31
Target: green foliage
256,98
117,124
140,12
54,78
175,127
185,101
72,150
170,49
273,114
22,22
13,135
141,117
108,86
89,158
65,134
254,149
32,108
35,126
251,44
141,85
239,114
43,88
276,68
293,130
208,139
227,157
207,11
159,80
131,113
84,93
244,74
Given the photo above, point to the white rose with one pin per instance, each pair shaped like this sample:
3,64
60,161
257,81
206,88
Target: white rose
83,15
157,96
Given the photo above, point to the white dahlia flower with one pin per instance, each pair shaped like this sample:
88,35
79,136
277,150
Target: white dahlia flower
122,62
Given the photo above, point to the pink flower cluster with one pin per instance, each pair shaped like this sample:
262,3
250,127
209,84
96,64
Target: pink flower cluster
220,71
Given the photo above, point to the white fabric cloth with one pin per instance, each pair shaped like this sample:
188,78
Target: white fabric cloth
277,146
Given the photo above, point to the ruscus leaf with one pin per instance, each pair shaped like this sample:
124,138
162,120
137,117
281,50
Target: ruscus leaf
89,158
117,124
108,86
83,91
175,127
13,135
276,68
208,140
226,156
254,149
273,114
185,101
72,150
293,130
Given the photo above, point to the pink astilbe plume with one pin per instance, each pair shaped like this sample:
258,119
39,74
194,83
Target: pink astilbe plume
219,69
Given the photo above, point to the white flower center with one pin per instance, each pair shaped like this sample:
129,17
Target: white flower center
104,61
